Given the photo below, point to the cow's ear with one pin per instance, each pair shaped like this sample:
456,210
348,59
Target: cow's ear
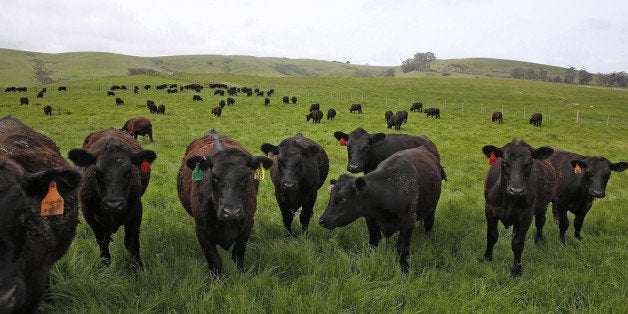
203,162
81,157
38,184
360,185
269,149
619,167
542,153
145,154
377,137
255,161
310,151
578,163
488,149
339,135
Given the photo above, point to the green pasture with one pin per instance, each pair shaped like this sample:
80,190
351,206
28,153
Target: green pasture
336,271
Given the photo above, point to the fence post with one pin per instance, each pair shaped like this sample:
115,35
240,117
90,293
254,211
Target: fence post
550,115
608,117
524,111
577,116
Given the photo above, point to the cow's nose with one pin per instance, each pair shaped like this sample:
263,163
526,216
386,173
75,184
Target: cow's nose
352,167
113,204
231,212
287,184
515,191
598,194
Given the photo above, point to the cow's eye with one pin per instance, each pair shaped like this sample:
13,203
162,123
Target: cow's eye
505,164
215,180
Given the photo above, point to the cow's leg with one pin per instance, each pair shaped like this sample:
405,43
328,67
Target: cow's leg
211,254
563,221
518,238
491,237
306,211
103,237
375,234
403,246
150,135
287,215
539,221
428,222
237,255
132,239
577,224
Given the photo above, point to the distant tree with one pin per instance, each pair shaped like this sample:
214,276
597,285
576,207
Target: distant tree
420,62
542,75
531,74
618,79
518,73
389,73
407,66
570,75
584,77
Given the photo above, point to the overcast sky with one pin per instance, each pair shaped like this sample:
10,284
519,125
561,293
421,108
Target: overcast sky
584,34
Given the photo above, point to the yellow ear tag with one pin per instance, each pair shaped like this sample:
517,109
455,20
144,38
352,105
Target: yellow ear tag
52,204
259,173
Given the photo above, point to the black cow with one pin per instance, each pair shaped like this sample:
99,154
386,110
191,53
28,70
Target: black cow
266,101
152,108
580,180
365,151
21,89
432,112
149,103
48,110
116,172
315,115
355,108
217,111
294,99
147,87
32,236
219,92
62,88
40,95
518,187
536,119
388,114
331,114
418,106
114,87
110,93
196,98
404,188
161,109
23,100
10,89
230,101
286,100
315,107
395,121
497,116
403,115
299,171
216,186
119,101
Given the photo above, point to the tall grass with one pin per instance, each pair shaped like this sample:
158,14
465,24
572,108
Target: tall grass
337,271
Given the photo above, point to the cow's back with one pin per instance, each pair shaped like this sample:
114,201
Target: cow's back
396,142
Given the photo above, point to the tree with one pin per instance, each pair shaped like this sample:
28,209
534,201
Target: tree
41,74
584,77
542,75
420,62
518,73
407,66
530,74
570,75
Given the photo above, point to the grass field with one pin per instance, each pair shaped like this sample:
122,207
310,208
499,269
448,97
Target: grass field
336,271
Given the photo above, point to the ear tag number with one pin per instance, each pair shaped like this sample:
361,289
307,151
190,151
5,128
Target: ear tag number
259,173
197,174
52,204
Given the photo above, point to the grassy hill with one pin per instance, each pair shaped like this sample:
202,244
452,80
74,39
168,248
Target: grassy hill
18,67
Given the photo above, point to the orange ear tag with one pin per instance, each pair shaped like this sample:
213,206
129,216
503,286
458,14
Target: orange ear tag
577,169
492,160
145,166
52,204
343,142
259,173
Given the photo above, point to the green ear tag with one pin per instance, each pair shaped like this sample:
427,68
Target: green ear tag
197,174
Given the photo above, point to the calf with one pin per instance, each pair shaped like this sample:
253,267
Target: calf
395,120
432,112
387,115
365,151
119,101
355,108
217,111
497,117
48,110
161,109
116,173
518,187
32,236
580,180
23,100
139,126
316,116
404,188
216,187
536,119
300,170
418,106
285,99
331,114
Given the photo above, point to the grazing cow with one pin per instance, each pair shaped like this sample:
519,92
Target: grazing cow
365,151
294,99
518,186
222,103
315,115
418,106
116,173
216,186
119,101
62,88
331,114
286,100
230,101
21,89
110,93
23,100
497,116
35,229
114,87
139,126
152,108
403,115
355,107
315,107
10,89
40,95
299,171
536,119
388,114
196,98
266,101
432,112
395,121
217,111
149,103
147,87
48,110
404,188
219,92
161,109
579,181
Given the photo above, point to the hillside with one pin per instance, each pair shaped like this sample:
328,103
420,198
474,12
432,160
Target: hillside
19,67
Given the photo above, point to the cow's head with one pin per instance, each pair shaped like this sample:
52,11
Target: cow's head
112,173
346,202
292,162
596,171
516,163
227,180
359,145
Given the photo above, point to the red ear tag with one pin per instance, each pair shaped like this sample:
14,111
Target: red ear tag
343,142
492,160
577,169
145,167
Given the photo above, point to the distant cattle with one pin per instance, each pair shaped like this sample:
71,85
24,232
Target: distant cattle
139,126
497,117
196,98
10,89
518,187
432,112
116,172
219,92
217,111
376,196
40,95
152,108
403,115
331,114
110,93
266,101
536,119
230,101
21,89
365,151
147,87
114,87
387,115
217,188
355,108
35,229
48,110
580,180
119,101
294,99
62,88
23,100
315,107
161,109
286,99
315,115
418,106
222,103
395,121
300,170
